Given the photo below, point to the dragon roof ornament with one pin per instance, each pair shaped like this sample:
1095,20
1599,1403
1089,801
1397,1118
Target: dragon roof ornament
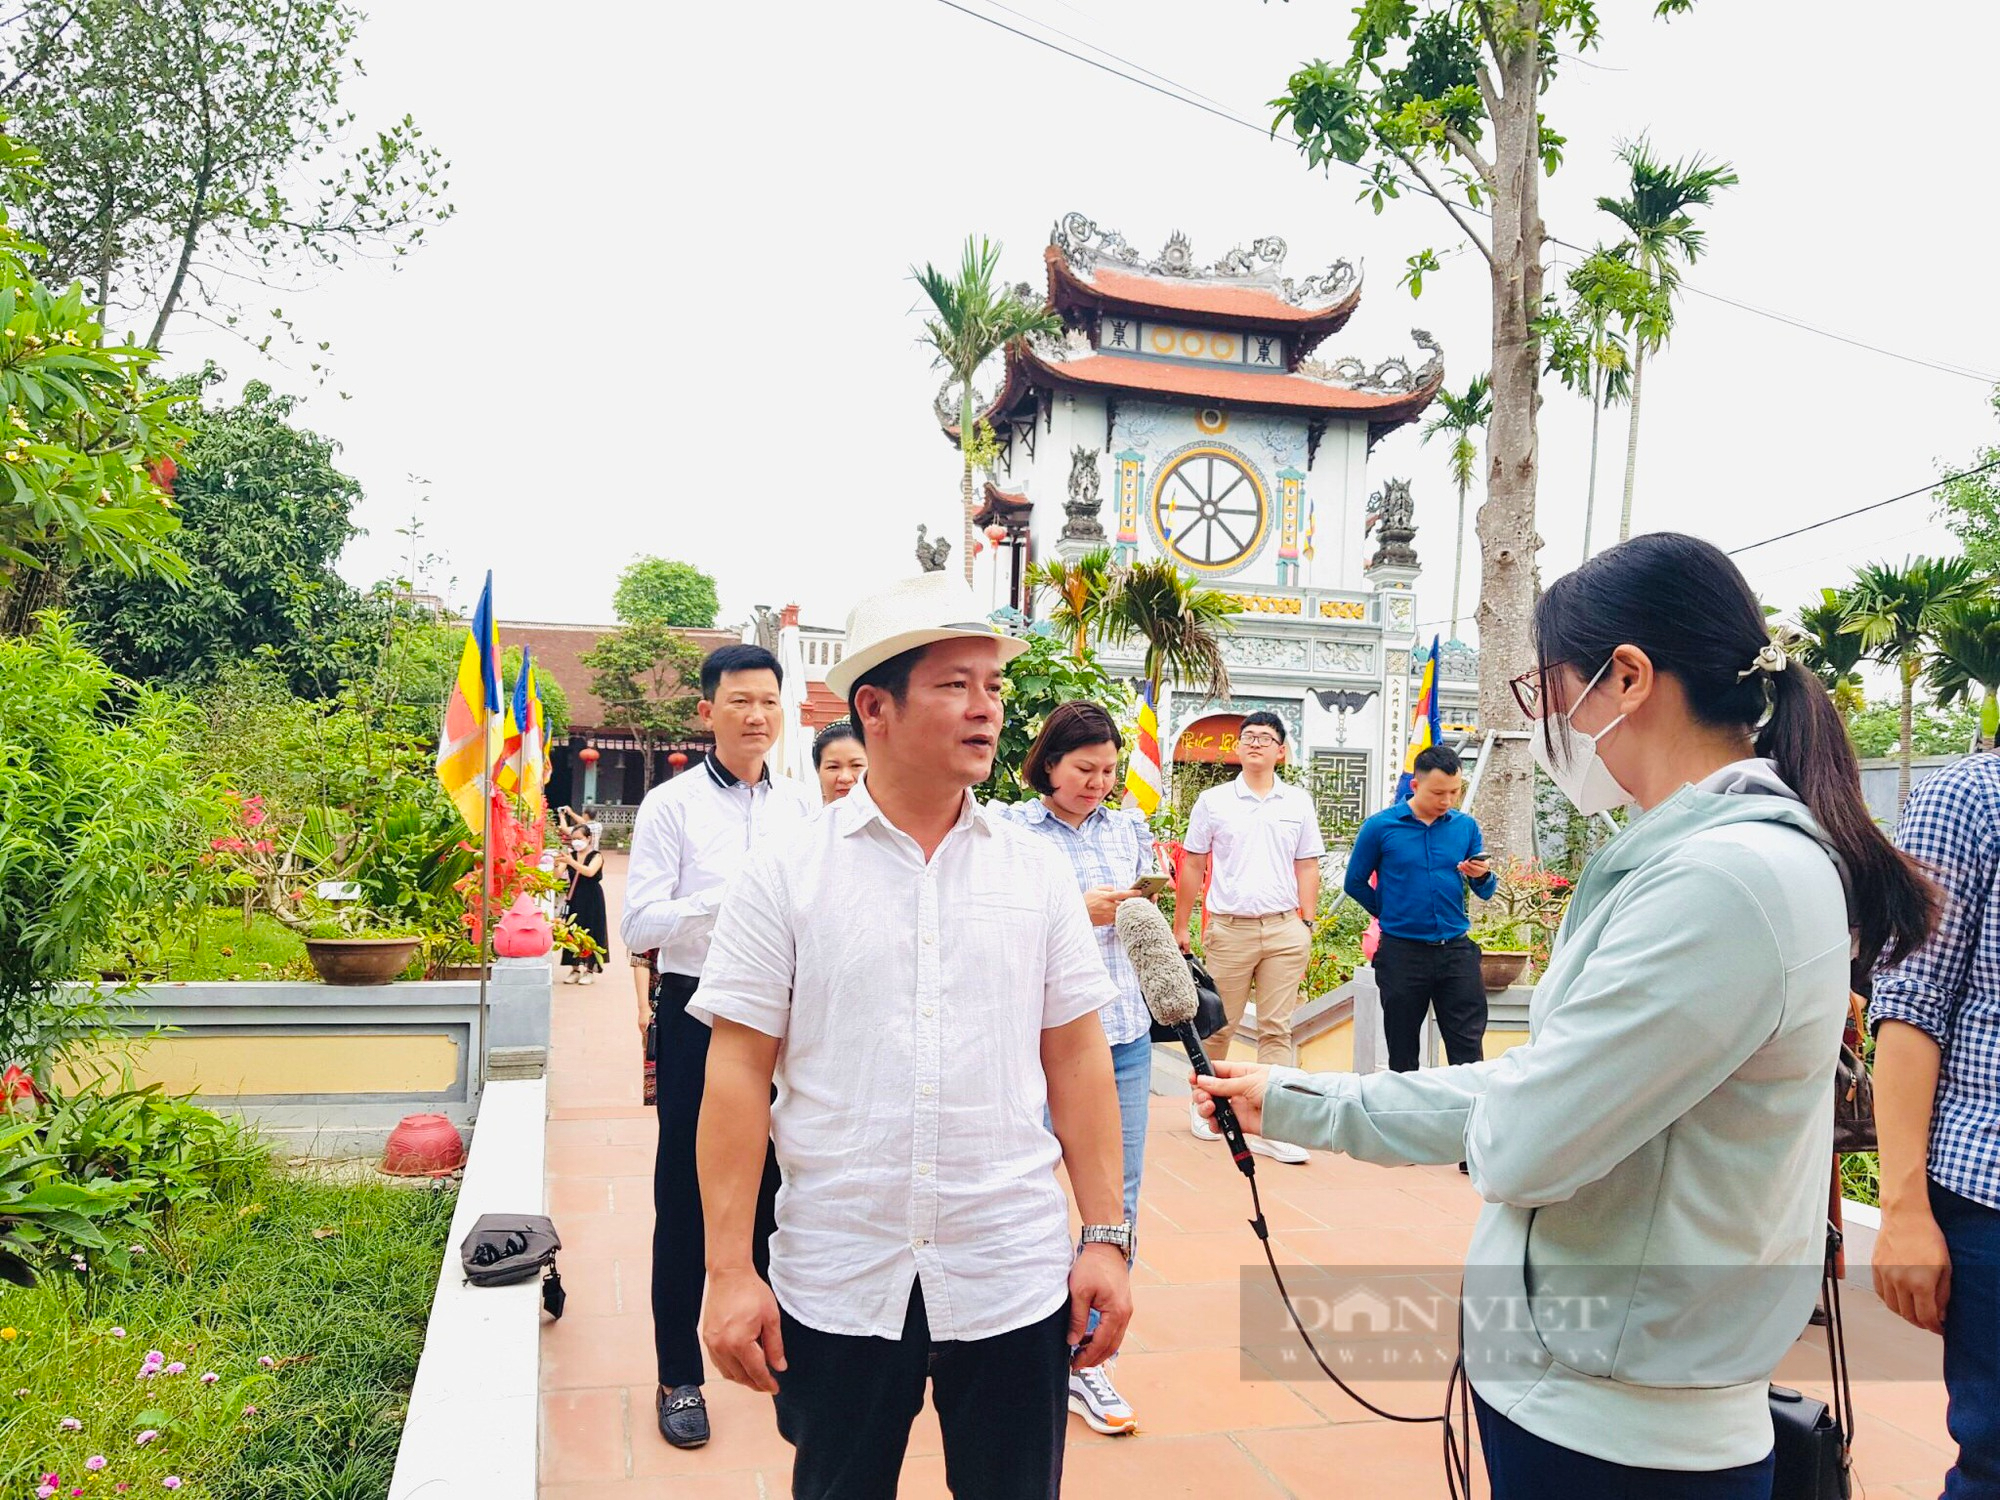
1086,246
1395,376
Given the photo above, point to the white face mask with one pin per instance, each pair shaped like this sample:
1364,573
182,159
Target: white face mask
579,845
1578,770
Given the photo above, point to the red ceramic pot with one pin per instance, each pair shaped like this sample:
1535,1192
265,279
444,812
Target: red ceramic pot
423,1146
523,932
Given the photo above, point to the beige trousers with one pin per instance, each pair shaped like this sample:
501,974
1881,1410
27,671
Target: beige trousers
1268,955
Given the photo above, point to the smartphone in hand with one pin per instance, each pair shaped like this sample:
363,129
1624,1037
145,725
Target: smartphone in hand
1150,886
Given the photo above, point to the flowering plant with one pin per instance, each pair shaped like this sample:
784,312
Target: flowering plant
1525,911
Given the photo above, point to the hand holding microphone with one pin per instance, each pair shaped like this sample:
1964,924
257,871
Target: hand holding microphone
1238,1087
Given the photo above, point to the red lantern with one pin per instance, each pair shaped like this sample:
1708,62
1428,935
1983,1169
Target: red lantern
977,548
678,759
588,755
996,533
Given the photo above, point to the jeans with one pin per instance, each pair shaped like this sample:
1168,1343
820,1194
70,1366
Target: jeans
1521,1466
1414,977
1971,1344
846,1405
1132,1062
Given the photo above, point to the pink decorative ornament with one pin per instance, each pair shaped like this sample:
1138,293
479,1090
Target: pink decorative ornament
523,932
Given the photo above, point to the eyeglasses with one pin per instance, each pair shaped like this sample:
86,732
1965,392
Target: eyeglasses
1527,689
1257,741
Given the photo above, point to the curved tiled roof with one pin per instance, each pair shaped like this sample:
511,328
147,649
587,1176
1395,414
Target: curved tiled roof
1231,304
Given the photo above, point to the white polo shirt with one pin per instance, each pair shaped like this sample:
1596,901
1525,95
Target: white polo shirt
910,997
1254,844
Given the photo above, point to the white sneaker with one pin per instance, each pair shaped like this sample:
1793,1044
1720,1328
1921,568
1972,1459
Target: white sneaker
1283,1151
1198,1124
1093,1397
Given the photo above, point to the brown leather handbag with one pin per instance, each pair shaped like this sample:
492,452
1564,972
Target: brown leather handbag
1853,1090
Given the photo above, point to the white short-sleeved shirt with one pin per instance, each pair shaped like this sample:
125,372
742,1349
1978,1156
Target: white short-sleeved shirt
1256,844
910,999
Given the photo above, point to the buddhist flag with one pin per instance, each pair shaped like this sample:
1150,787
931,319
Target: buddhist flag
1426,727
1312,515
519,773
1143,781
535,742
469,748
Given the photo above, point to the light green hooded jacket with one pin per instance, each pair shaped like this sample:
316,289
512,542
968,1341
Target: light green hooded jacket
1660,1147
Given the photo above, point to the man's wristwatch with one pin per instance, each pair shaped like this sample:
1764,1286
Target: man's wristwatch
1108,1234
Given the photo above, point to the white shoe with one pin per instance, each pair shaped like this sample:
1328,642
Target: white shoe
1093,1397
1203,1131
1283,1151
588,979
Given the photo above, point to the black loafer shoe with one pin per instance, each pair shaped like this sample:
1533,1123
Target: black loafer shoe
683,1416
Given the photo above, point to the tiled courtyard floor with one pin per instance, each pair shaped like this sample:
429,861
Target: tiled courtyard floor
1206,1430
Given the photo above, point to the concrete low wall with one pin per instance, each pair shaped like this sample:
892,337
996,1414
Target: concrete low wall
327,1070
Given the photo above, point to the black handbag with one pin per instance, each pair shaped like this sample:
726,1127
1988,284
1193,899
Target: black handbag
1209,1016
502,1249
1812,1442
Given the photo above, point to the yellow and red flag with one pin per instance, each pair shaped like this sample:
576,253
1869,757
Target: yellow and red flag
523,766
1143,781
470,746
1426,723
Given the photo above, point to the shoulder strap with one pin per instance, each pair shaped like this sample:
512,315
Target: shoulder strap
1836,1344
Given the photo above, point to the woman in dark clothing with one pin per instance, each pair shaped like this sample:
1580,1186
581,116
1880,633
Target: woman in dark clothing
585,864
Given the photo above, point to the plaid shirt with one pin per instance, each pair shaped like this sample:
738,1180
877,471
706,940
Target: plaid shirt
1111,848
1950,988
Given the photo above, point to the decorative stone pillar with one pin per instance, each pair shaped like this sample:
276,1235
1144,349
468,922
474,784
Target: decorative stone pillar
1392,574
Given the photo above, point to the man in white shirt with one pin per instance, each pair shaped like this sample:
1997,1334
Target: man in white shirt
921,979
692,834
1263,836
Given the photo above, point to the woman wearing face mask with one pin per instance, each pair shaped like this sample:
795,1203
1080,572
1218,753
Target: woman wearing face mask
1660,1147
839,759
585,864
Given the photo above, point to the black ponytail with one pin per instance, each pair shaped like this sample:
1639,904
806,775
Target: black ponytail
1685,604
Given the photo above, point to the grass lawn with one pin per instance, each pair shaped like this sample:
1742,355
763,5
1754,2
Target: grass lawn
307,1301
218,946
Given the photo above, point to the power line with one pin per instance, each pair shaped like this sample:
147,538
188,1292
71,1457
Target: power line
1182,94
1924,489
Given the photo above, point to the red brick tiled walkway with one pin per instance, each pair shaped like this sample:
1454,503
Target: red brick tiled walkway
1206,1430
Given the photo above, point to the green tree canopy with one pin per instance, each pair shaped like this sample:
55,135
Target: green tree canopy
660,591
1971,505
1048,673
649,679
189,145
265,512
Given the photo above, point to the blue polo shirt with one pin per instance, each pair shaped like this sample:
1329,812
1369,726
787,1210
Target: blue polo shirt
1418,893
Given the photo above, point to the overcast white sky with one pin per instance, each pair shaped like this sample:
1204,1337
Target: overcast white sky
673,313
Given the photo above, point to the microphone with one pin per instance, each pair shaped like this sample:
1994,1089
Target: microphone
1168,990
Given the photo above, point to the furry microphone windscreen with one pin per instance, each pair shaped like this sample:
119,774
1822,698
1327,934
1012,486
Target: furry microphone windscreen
1164,981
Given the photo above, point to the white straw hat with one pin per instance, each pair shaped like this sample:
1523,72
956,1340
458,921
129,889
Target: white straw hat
930,607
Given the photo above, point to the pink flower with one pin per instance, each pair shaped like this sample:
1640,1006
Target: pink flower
209,1377
265,1362
70,1424
253,815
154,1357
118,1333
176,1368
46,1492
262,846
172,1482
249,1411
144,1438
95,1462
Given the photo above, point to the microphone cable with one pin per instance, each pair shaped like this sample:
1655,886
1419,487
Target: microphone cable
1457,1449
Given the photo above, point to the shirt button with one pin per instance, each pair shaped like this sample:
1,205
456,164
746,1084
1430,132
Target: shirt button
923,1169
929,1011
929,1089
920,1244
929,938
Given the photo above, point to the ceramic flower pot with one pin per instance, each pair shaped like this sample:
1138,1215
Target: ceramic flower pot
1501,967
359,960
423,1146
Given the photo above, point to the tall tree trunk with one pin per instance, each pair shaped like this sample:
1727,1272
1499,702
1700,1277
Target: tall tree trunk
1908,674
965,502
1508,580
1632,436
1596,414
1457,560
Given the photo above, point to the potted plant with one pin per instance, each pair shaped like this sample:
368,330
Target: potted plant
1519,924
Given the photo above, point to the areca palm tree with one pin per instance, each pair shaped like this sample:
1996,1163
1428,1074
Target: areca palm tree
1831,651
1461,416
1661,237
1896,613
975,319
1083,593
1181,623
1967,646
1590,356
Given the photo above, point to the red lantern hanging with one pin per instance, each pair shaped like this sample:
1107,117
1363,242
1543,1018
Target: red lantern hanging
678,759
588,755
996,533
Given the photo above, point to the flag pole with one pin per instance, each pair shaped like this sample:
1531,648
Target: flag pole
485,878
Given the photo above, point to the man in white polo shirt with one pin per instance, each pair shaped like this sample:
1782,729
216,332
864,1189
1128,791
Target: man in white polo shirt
921,979
1263,837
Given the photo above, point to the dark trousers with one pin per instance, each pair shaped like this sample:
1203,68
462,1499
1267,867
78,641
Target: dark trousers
846,1405
1414,977
1521,1466
680,1265
1971,1343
